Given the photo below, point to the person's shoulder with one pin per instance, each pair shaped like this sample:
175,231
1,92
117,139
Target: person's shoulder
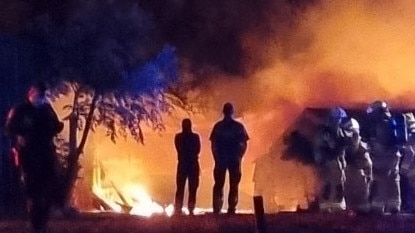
218,124
19,108
363,146
23,104
11,113
195,134
238,123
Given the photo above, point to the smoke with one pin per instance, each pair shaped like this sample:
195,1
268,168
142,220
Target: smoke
229,37
328,53
274,58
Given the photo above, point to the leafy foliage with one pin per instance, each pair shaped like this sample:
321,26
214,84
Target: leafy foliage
107,51
104,53
122,111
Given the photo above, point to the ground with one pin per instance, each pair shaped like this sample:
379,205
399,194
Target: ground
240,223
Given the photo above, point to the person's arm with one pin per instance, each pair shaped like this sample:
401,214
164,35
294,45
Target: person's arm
177,143
13,127
198,144
408,153
318,153
213,143
9,127
367,167
243,145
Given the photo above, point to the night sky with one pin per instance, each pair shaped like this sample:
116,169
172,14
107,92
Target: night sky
208,34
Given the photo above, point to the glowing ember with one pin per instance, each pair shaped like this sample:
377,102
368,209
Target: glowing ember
132,199
143,205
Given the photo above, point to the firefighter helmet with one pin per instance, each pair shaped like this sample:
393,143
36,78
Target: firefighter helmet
352,125
338,113
378,106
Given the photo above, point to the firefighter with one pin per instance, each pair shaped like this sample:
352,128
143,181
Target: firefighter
228,143
187,145
33,125
407,168
358,171
329,150
383,147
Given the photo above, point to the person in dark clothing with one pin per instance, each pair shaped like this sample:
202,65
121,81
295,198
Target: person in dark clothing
384,149
32,126
228,143
188,148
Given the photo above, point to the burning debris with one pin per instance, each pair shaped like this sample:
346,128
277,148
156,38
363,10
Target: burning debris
132,199
271,58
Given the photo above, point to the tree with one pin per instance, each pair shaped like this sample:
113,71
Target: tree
107,55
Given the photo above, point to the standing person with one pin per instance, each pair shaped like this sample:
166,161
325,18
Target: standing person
358,172
32,126
384,149
329,150
187,145
229,142
407,168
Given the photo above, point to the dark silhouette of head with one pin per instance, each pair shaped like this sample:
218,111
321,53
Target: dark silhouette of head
37,94
40,87
228,110
187,125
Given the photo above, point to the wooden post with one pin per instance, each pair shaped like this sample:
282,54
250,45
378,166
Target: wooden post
259,214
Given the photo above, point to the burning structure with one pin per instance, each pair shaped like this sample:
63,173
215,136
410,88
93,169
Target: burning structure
270,58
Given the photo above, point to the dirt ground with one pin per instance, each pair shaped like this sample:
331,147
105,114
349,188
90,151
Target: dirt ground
208,223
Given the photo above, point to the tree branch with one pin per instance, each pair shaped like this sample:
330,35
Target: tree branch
88,125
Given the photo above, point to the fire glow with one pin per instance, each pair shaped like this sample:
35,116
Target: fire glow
131,199
339,53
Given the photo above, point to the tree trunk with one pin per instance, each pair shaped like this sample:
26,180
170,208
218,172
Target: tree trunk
75,151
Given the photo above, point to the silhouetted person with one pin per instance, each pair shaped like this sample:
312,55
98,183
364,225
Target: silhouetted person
229,142
32,126
188,148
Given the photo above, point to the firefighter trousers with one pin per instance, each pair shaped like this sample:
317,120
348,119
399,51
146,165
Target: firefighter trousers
356,190
386,193
331,197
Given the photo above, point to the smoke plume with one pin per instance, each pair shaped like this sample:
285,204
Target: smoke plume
274,58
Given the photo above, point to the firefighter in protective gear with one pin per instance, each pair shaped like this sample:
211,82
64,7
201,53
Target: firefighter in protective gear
229,143
407,168
383,148
329,152
358,171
